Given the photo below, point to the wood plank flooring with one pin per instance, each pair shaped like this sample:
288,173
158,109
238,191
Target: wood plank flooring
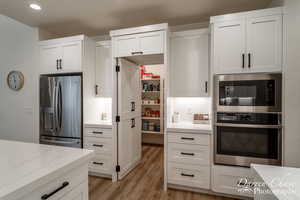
143,183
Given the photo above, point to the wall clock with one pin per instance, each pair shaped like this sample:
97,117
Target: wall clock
15,80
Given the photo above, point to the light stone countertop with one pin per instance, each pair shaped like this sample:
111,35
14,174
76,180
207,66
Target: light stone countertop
189,127
98,124
25,166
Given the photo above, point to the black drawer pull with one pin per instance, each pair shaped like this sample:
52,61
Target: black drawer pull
47,196
188,175
187,154
97,145
97,132
186,138
137,53
97,163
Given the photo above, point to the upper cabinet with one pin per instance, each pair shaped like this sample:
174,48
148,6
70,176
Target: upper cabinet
62,55
189,67
248,42
139,44
103,69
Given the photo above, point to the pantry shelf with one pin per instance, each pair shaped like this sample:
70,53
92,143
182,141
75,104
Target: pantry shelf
151,104
154,79
152,132
151,118
151,91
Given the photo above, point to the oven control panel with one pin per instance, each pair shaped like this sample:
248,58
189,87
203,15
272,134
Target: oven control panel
249,118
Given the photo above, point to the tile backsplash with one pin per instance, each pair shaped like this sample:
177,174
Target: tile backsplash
188,106
97,107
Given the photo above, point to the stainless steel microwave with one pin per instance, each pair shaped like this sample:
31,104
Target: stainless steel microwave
248,92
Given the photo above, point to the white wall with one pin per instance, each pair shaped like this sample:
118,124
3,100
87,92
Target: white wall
292,82
18,51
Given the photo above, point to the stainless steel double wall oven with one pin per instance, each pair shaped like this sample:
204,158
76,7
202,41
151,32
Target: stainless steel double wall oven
248,125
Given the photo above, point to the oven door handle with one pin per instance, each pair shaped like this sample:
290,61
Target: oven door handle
248,125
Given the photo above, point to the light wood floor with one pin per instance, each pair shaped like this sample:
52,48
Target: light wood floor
143,183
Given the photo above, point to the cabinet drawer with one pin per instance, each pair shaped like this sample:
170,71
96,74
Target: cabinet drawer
99,145
98,132
226,180
101,164
191,154
63,184
189,175
186,138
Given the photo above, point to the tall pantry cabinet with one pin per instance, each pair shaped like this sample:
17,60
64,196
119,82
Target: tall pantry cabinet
248,42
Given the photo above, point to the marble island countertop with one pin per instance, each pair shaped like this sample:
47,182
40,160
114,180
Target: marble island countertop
189,127
24,166
284,182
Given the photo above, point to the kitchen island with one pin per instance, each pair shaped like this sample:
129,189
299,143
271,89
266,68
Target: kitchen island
40,172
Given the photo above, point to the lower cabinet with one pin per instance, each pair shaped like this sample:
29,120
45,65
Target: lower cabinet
71,186
232,180
189,160
99,140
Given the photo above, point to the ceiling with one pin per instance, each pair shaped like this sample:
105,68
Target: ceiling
96,17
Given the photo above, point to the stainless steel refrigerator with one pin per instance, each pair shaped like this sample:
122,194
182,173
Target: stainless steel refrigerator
61,110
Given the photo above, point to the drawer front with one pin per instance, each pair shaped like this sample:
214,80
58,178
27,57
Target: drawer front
99,145
226,180
189,175
185,138
101,164
98,132
62,185
188,154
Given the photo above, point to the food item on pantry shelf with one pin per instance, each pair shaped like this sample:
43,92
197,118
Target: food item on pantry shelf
155,77
145,125
151,126
157,128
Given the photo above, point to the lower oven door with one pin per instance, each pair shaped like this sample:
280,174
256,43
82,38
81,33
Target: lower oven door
242,145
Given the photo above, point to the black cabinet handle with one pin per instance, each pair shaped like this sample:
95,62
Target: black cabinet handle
188,175
60,65
137,53
97,145
186,138
47,196
206,86
243,61
187,154
97,132
96,89
57,65
132,123
249,60
132,106
97,163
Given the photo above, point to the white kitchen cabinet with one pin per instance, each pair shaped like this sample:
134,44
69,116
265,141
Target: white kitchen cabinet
229,46
79,193
100,141
63,55
264,43
139,44
103,69
188,159
189,63
248,42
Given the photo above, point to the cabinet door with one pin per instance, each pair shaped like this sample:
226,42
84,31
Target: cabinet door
103,71
189,58
71,57
151,43
229,46
264,44
78,193
126,46
49,58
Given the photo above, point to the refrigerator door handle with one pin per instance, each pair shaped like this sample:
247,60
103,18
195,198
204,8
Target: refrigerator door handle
59,105
56,108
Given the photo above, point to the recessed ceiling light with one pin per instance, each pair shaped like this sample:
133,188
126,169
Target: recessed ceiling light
35,6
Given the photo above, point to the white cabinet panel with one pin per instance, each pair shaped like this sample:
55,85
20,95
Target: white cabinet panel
264,43
151,43
126,45
79,193
49,56
229,46
103,71
189,58
71,56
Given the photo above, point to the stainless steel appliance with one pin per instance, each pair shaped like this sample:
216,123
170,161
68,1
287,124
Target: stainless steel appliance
61,110
245,138
248,93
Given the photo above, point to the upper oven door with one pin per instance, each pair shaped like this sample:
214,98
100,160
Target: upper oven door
248,93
